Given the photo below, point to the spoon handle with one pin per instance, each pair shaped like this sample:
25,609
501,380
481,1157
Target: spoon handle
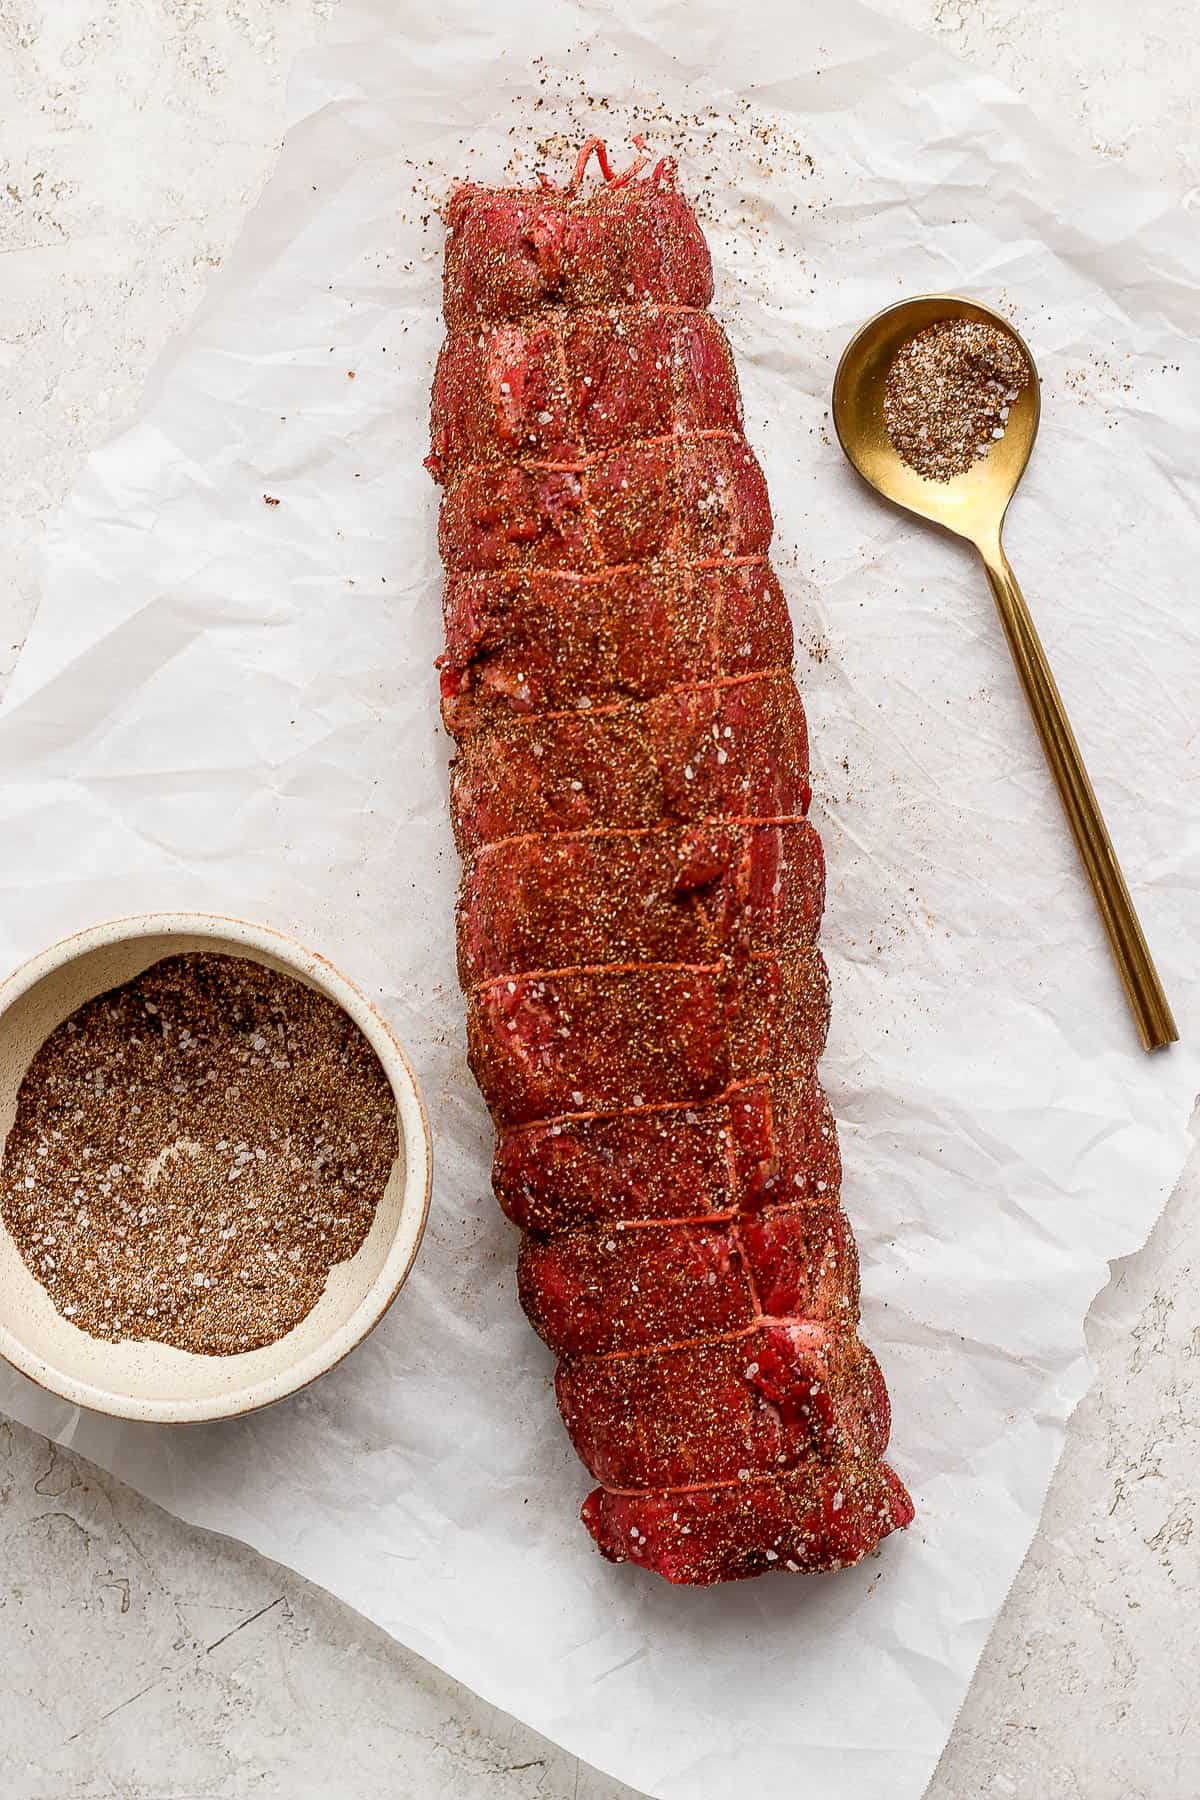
1130,952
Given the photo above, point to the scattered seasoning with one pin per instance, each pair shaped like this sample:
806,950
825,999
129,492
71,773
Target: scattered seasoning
194,1151
948,394
717,143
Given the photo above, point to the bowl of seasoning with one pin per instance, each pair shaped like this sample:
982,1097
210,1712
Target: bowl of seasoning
215,1167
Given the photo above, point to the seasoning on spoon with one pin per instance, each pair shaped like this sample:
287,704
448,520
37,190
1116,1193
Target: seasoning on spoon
947,395
194,1151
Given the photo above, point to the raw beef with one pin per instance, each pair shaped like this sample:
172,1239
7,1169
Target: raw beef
642,891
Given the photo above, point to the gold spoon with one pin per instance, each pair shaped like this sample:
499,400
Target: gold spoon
973,505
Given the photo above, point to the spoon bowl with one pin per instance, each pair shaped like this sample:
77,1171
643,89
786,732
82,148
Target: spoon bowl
973,505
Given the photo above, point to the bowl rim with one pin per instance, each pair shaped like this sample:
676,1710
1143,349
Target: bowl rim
415,1137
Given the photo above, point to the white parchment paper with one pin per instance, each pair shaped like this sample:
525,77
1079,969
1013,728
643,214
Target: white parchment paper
231,705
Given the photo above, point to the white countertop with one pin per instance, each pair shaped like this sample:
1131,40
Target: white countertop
145,1660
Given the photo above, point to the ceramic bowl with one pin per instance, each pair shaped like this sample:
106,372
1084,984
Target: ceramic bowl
156,1382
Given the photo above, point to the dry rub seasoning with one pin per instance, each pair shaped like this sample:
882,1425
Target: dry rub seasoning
948,393
193,1152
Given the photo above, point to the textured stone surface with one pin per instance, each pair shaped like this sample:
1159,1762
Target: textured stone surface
150,1662
143,1660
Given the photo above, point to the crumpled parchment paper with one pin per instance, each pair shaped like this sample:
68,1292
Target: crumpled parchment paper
231,705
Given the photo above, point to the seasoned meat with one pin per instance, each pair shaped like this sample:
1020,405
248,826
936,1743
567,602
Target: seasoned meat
642,890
